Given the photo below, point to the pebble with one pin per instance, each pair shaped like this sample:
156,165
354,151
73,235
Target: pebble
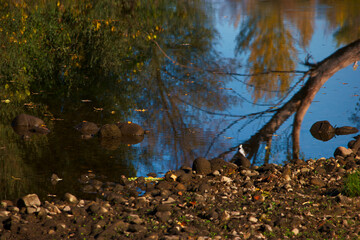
67,209
304,170
163,216
226,179
253,219
170,200
70,198
4,214
216,173
295,231
135,219
317,182
225,216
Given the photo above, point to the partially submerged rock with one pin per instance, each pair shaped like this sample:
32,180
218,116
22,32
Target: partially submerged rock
112,134
87,129
27,120
130,129
324,131
109,131
26,125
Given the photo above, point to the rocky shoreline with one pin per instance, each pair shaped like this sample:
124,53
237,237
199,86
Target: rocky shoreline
300,200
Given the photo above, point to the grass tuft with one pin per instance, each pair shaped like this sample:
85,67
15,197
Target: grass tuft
352,184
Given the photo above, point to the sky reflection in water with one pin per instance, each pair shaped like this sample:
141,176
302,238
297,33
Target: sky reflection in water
184,106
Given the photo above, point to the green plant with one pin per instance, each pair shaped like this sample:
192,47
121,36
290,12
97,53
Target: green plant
351,186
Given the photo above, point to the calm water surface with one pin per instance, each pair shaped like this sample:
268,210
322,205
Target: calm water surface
176,68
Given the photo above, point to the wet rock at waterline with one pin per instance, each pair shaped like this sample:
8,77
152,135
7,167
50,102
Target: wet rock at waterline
87,129
27,125
346,130
130,129
324,131
202,166
27,120
111,135
109,131
132,139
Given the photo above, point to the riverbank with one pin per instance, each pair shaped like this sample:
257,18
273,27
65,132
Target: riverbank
301,200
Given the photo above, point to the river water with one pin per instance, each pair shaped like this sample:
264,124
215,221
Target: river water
201,76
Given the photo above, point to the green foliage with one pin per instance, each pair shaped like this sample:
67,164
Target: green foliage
351,186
